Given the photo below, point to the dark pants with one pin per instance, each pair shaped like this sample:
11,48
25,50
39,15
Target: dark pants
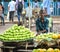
18,14
11,15
2,20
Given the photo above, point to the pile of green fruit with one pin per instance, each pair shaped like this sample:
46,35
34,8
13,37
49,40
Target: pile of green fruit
46,36
17,33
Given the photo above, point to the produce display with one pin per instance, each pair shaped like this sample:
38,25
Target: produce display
46,50
47,40
17,33
47,36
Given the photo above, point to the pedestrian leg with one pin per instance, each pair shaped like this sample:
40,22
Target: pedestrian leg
12,17
9,16
2,18
18,13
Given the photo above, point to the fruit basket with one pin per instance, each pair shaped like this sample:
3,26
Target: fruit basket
47,40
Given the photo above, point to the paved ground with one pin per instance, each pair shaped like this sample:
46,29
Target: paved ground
3,28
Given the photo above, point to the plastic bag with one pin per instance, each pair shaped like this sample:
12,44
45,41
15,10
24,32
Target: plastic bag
8,15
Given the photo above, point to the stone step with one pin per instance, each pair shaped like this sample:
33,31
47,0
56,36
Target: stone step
56,18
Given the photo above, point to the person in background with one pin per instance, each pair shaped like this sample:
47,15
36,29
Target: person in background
41,23
28,12
11,9
35,4
46,7
19,10
2,13
58,6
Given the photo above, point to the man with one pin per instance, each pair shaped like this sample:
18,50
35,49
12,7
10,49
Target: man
28,12
19,9
42,24
2,13
11,9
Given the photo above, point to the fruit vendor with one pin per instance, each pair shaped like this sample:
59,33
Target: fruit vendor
41,23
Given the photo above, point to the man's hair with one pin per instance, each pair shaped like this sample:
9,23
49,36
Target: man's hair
41,12
27,4
1,4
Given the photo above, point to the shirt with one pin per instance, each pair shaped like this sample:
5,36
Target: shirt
46,4
29,11
17,3
42,26
12,6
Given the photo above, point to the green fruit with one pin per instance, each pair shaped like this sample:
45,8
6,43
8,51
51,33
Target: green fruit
17,33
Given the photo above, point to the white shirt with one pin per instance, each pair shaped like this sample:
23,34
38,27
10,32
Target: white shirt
28,12
46,4
12,6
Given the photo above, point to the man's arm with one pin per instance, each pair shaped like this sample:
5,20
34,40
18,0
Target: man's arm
46,26
37,26
16,4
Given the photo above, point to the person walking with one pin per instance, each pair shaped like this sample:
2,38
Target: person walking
11,9
2,13
28,13
19,8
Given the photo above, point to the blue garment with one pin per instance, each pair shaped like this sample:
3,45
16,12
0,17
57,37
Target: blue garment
18,14
46,4
42,26
35,4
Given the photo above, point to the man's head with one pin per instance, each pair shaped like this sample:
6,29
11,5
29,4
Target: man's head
41,14
0,4
27,4
35,0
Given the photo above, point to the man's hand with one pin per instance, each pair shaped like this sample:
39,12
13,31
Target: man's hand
42,31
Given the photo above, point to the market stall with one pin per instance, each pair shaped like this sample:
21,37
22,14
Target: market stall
18,38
